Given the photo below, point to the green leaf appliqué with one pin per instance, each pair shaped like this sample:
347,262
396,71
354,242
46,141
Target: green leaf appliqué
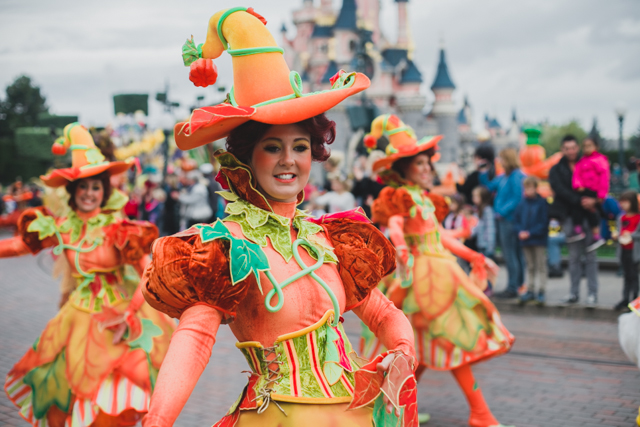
44,225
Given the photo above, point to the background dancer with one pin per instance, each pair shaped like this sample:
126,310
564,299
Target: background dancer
96,362
455,324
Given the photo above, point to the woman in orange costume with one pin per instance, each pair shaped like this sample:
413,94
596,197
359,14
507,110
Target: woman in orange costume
279,278
455,323
96,362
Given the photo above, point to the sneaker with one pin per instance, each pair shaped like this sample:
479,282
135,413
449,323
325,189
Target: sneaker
592,300
506,294
595,245
622,305
570,299
575,238
526,297
541,299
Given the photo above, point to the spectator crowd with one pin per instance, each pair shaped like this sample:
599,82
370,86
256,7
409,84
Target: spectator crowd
497,210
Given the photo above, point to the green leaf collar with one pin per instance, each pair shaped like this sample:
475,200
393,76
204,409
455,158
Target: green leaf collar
258,224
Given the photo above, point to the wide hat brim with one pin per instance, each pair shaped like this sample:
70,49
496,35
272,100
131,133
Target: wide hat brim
408,151
61,177
209,124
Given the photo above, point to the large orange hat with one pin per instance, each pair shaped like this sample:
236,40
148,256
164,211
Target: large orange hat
264,90
86,158
402,140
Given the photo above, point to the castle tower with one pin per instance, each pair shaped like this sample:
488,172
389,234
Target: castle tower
345,33
403,24
444,111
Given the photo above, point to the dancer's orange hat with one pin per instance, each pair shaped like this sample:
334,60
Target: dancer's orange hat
264,90
86,158
402,140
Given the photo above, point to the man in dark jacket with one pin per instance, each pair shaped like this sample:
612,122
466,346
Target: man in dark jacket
566,198
530,221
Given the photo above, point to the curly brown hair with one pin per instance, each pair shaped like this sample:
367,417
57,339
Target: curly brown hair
104,177
242,140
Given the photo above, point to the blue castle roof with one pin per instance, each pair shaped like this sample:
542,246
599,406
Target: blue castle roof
442,80
411,74
393,55
347,17
322,31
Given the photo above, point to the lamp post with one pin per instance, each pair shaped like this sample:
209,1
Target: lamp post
621,110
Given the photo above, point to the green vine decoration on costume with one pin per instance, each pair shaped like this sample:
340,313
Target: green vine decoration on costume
246,257
258,224
417,194
46,226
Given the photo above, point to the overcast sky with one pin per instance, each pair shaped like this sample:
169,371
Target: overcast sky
549,59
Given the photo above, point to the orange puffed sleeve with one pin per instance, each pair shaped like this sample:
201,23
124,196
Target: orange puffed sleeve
365,256
185,272
442,208
391,201
31,239
134,239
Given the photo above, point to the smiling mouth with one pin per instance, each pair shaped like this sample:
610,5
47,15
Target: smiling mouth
285,177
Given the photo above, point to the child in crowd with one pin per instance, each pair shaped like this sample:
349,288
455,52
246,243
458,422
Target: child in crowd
485,230
590,179
456,219
628,236
531,223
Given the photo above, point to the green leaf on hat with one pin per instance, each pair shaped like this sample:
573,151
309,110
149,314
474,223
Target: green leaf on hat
190,52
94,156
44,225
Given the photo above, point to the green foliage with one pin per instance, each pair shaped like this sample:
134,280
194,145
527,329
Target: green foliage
21,107
34,143
634,143
552,135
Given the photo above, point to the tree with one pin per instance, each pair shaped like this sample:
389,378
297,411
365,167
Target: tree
21,106
552,135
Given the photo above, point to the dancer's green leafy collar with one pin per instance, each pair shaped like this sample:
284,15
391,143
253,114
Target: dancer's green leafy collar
258,224
418,196
46,226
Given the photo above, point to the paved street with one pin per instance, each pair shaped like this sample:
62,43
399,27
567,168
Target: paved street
562,372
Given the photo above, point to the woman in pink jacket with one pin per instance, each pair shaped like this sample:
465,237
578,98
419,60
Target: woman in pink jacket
590,179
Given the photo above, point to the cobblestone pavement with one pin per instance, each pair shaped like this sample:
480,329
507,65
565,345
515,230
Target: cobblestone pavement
561,372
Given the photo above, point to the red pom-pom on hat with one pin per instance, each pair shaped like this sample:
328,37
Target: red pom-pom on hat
370,142
203,72
58,149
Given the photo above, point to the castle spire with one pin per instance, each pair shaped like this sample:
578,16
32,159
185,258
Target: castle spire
442,80
347,18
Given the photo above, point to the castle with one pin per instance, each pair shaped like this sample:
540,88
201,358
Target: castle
327,40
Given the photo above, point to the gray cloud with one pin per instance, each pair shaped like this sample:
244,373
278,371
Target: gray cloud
555,59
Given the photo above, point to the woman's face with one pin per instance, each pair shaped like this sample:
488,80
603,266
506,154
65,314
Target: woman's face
281,162
89,194
420,172
588,147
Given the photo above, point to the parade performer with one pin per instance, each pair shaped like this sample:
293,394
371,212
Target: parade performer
96,362
279,278
455,324
18,198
